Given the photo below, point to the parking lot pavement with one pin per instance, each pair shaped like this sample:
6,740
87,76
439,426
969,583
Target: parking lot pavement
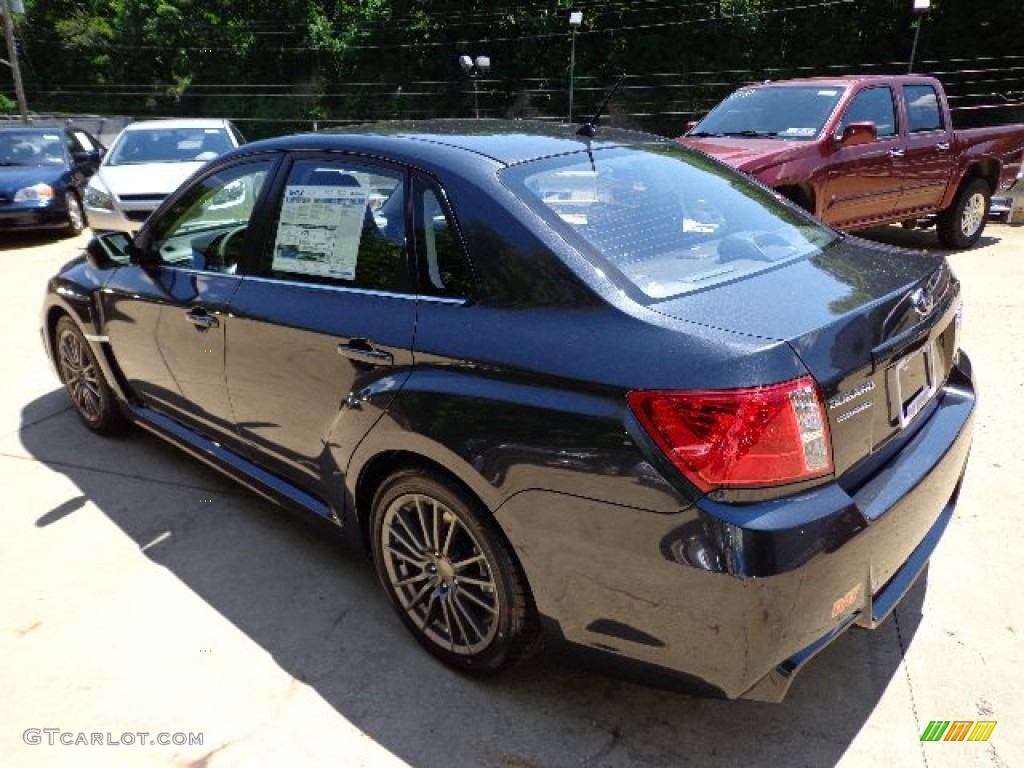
145,594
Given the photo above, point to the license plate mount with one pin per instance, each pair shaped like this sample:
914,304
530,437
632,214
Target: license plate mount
912,383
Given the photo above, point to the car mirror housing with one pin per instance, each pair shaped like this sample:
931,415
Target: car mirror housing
110,249
858,133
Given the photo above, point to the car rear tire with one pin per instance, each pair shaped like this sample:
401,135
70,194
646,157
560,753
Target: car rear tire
91,396
450,574
960,225
76,216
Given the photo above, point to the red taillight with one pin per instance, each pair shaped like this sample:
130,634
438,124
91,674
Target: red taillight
740,437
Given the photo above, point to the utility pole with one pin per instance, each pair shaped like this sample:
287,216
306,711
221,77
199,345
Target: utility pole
12,51
920,8
575,19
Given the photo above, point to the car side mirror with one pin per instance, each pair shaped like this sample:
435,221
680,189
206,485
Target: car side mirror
858,133
689,126
139,251
109,250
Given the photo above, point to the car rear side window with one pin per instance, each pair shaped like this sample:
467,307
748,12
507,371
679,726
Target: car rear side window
341,223
443,268
923,113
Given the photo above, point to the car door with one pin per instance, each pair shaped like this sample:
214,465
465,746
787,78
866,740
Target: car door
86,152
322,326
928,163
864,180
167,316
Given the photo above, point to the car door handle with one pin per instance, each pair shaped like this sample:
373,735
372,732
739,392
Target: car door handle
362,351
943,147
897,152
201,320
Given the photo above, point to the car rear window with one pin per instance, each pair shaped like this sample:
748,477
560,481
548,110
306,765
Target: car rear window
666,219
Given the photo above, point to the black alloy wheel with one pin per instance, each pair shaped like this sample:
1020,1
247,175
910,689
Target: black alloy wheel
90,394
450,574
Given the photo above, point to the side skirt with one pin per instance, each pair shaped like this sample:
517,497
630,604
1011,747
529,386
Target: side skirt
234,466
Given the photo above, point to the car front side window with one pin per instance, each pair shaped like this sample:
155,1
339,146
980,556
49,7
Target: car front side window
872,105
206,227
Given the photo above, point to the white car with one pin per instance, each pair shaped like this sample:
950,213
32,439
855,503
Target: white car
146,162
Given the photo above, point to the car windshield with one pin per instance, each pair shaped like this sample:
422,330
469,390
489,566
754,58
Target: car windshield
31,148
667,219
168,145
787,112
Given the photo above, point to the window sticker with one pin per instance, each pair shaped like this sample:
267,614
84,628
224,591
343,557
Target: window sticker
320,230
798,132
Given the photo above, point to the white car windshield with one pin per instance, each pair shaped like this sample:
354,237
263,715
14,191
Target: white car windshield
667,219
168,145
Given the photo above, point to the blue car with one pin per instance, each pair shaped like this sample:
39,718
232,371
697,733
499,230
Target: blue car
43,173
585,388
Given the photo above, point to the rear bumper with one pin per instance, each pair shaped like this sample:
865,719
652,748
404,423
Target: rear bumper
670,599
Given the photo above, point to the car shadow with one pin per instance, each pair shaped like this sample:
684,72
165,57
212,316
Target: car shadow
15,240
918,239
316,607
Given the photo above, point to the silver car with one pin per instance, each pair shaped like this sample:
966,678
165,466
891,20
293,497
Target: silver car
147,161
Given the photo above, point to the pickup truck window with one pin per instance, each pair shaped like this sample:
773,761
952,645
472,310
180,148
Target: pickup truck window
872,105
772,111
923,113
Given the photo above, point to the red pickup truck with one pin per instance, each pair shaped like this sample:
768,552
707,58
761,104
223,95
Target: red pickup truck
864,151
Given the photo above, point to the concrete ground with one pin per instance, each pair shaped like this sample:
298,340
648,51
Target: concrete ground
144,593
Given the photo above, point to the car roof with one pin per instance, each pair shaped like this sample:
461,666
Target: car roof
838,81
507,142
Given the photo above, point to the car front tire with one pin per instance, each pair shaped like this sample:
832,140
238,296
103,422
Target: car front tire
450,574
76,215
91,396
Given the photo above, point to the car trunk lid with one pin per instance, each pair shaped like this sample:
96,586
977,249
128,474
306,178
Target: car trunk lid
876,326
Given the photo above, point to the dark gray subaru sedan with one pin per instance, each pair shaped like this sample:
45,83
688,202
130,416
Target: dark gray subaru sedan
596,389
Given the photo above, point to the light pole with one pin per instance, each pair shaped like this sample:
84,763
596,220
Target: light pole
474,68
575,19
12,51
920,8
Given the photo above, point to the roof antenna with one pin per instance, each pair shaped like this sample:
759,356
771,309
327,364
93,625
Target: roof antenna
589,128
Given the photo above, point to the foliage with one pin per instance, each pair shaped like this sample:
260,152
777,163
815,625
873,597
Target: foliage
263,62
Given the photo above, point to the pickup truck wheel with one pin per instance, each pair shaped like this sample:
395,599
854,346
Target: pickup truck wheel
960,225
